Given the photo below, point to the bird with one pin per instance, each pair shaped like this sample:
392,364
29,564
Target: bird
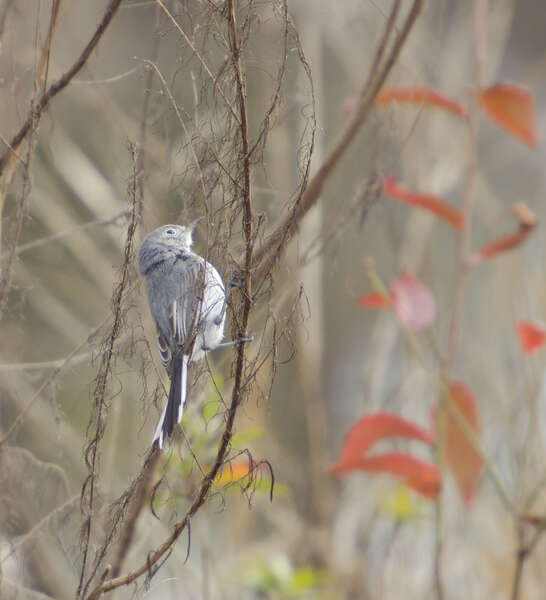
187,300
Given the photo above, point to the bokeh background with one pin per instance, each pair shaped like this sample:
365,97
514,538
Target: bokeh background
326,360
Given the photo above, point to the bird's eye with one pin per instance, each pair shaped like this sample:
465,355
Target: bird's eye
170,232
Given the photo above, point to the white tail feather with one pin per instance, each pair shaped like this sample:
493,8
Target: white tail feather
183,387
158,435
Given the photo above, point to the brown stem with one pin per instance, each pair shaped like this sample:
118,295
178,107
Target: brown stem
462,270
522,554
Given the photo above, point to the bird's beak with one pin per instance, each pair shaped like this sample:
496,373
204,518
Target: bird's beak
193,224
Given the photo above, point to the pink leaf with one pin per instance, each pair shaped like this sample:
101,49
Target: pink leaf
413,303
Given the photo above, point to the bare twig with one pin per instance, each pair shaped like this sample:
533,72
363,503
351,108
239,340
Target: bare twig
60,367
46,364
43,66
98,418
136,501
524,550
267,256
43,101
62,234
201,61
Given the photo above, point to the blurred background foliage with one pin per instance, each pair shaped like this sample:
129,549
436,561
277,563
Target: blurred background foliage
363,537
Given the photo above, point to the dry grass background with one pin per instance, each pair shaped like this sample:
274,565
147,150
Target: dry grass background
323,360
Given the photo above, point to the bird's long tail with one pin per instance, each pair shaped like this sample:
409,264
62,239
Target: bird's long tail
172,413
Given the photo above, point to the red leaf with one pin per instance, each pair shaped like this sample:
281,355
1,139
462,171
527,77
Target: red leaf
531,335
501,244
374,300
421,476
512,108
434,204
420,95
527,222
371,428
413,303
464,462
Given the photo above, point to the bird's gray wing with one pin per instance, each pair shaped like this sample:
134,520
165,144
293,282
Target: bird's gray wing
185,309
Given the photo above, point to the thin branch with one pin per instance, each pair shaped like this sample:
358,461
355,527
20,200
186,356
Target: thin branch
46,364
61,234
136,501
47,521
43,66
523,552
200,59
446,405
103,377
60,367
172,100
43,101
269,253
262,135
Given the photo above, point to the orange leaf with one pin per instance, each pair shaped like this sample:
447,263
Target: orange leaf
465,463
512,108
374,300
413,303
232,472
434,204
420,95
531,336
527,223
371,428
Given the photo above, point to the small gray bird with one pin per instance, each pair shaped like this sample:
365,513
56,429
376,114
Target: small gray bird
188,304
